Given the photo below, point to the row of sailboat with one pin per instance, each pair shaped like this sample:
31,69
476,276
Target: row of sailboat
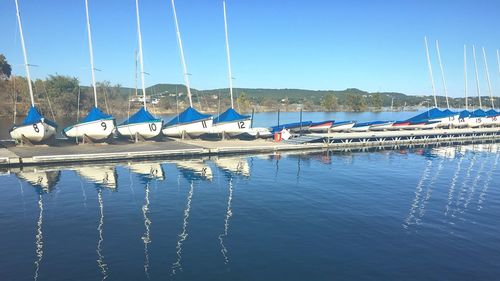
430,119
98,125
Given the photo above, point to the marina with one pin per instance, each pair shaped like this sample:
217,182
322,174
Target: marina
67,152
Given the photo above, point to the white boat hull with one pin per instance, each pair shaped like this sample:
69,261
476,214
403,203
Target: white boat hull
476,122
382,127
146,130
96,130
259,132
320,128
36,132
194,129
360,129
340,128
234,128
447,121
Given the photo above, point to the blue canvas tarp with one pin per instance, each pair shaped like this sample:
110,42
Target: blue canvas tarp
478,113
96,114
229,116
434,113
140,116
370,123
34,116
464,114
491,113
189,115
304,124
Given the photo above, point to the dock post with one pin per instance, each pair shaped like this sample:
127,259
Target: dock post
278,117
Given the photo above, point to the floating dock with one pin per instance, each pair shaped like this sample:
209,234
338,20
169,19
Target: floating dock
68,152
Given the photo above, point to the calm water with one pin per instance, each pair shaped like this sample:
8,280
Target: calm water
419,214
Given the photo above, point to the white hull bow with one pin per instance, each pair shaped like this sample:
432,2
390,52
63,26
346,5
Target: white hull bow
36,132
233,128
96,130
146,130
194,129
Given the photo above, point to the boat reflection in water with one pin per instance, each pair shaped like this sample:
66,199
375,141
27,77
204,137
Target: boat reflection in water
102,176
232,166
195,169
44,181
148,171
469,175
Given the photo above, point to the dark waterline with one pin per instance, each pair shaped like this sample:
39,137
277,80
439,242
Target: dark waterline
420,214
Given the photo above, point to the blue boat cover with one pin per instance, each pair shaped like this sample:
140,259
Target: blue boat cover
431,114
491,113
464,114
370,123
230,115
96,114
189,115
478,113
275,129
34,116
139,117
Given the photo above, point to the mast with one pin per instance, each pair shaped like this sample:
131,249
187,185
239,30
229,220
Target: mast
488,78
465,77
91,51
477,77
430,71
26,65
442,74
183,61
228,56
135,59
141,59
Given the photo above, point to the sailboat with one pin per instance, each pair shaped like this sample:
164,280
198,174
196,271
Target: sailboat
142,124
35,127
190,121
478,115
230,122
97,125
492,113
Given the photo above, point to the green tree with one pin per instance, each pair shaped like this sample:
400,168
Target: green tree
5,68
243,102
329,103
376,101
356,102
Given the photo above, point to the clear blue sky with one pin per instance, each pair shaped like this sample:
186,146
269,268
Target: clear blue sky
375,45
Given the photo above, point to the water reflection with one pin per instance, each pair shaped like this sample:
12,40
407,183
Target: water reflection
195,169
148,171
44,181
177,265
39,238
450,186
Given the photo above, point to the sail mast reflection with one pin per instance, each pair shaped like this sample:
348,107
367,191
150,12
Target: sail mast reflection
229,214
183,236
39,238
146,238
100,260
